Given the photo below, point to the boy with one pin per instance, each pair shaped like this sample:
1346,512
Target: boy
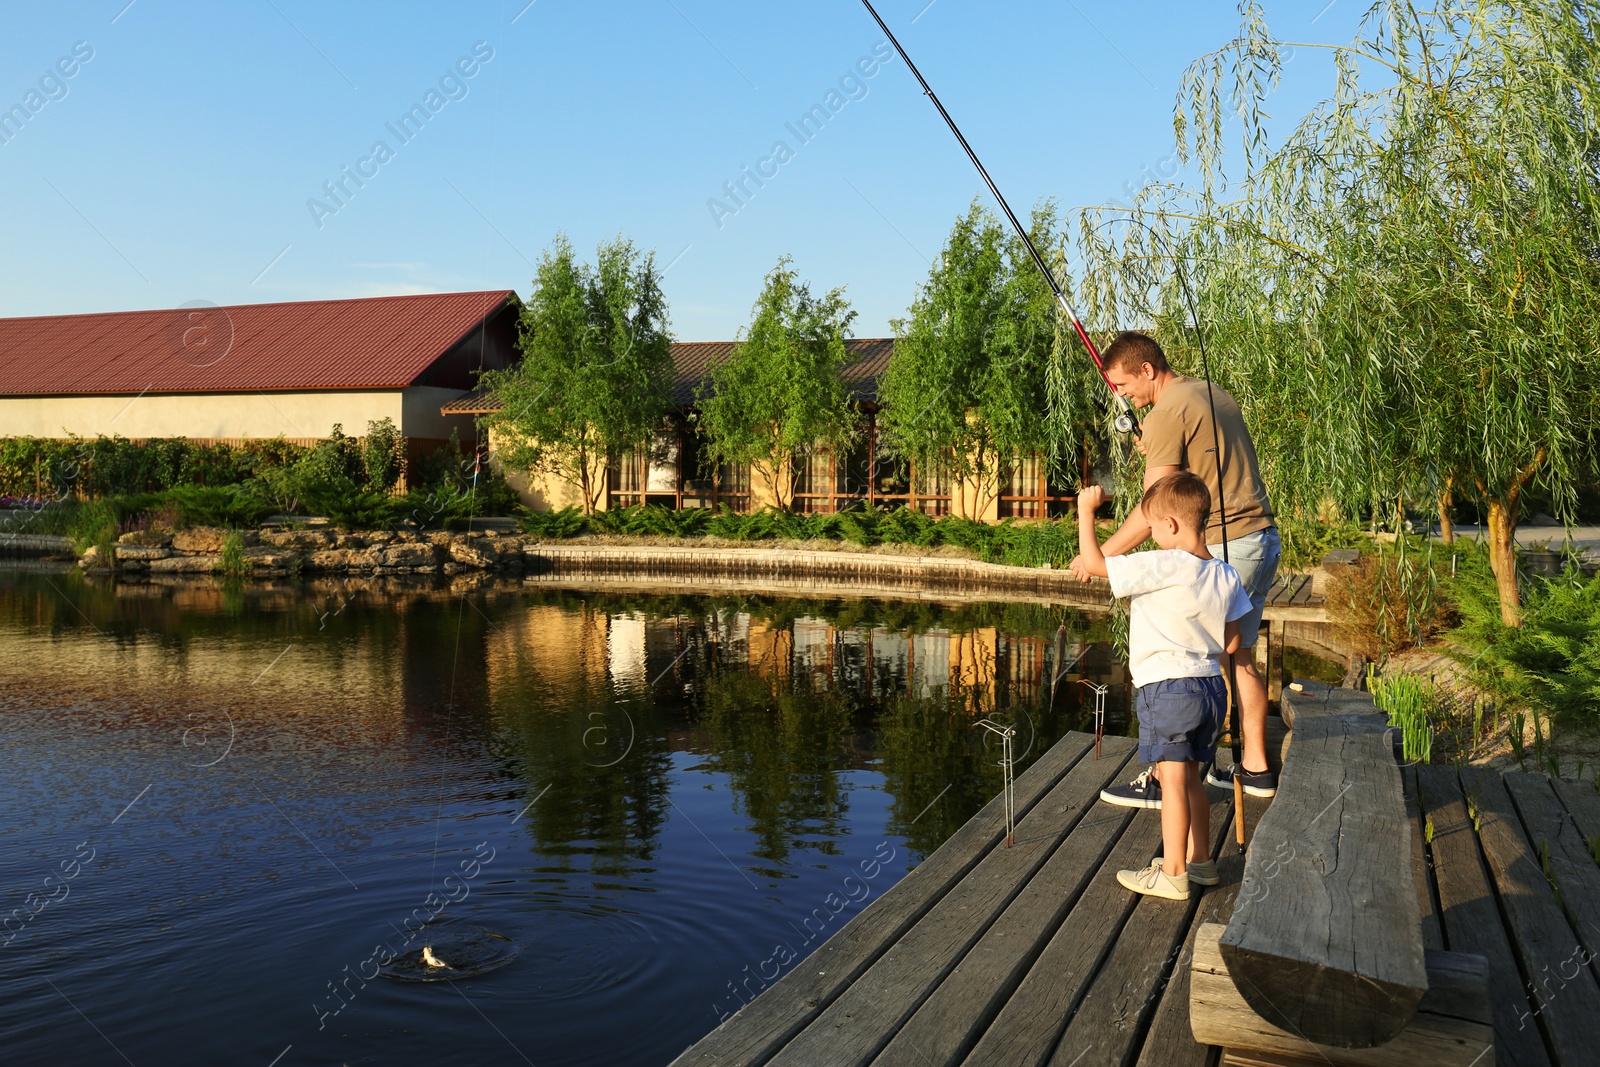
1184,618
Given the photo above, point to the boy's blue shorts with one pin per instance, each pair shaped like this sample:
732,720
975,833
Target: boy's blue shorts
1180,719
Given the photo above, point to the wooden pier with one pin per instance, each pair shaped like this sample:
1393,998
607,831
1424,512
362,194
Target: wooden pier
1034,955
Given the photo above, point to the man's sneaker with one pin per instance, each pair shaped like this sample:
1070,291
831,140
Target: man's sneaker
1143,792
1154,882
1202,873
1256,783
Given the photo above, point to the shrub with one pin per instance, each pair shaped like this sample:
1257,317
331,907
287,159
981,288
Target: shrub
1388,601
382,454
1551,663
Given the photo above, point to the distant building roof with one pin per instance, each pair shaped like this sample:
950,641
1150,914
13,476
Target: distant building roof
385,342
692,362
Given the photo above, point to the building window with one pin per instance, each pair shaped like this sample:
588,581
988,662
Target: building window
1022,490
814,479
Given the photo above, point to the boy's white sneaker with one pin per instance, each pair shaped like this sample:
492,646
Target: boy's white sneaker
1154,882
1202,873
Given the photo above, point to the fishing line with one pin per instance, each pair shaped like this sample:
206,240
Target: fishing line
1125,421
1234,711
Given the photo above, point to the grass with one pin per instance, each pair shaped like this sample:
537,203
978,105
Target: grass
1411,704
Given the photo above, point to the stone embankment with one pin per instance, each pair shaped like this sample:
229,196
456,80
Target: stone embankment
272,553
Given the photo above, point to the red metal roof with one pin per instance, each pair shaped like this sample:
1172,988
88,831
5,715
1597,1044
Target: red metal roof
375,343
692,362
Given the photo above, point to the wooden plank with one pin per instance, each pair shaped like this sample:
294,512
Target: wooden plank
955,1014
1029,1027
1450,1027
1326,939
1567,1006
1565,855
1302,594
758,1029
1582,803
857,1025
1471,917
1432,931
1170,1041
1114,1013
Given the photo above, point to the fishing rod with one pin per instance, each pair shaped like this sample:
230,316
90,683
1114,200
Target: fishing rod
1125,421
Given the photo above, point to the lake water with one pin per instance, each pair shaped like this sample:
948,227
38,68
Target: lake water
226,805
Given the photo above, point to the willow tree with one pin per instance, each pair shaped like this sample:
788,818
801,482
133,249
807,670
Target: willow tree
984,372
595,376
781,392
1401,292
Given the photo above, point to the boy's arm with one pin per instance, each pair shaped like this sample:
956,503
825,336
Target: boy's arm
1090,560
1230,638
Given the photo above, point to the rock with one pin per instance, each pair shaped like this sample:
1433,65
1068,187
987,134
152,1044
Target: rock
380,537
470,555
185,564
264,556
145,537
345,540
133,566
130,551
426,569
303,540
340,559
207,539
90,557
440,537
408,555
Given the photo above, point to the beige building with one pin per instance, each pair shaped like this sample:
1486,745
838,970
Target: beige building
210,373
670,474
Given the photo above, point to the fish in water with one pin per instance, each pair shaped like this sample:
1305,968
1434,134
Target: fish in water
430,959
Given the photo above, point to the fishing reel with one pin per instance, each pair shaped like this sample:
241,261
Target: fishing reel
1124,422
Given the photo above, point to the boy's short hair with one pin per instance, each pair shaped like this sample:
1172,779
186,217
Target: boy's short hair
1182,496
1130,350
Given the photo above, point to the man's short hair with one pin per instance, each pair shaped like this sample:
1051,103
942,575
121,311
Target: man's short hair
1182,496
1130,350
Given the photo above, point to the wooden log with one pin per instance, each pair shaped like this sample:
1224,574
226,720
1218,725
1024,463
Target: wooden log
1471,917
1563,852
1564,989
857,1025
1326,939
756,1031
1452,1023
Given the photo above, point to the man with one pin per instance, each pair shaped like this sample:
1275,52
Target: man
1178,436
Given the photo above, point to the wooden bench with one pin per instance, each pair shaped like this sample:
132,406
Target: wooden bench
1323,958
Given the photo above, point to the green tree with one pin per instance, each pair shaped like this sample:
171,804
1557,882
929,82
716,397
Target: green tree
983,371
781,393
596,370
1401,292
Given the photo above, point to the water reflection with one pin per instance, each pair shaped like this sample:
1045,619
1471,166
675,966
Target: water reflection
670,788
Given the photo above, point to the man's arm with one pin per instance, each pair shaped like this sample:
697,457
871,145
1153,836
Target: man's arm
1090,560
1133,531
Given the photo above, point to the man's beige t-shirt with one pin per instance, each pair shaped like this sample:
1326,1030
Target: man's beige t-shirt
1177,432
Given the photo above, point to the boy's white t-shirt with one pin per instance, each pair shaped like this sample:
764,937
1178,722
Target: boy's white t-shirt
1181,604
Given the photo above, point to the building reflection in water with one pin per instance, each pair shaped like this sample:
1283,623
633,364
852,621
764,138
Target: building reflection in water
799,705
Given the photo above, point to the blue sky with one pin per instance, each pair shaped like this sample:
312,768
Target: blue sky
178,161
